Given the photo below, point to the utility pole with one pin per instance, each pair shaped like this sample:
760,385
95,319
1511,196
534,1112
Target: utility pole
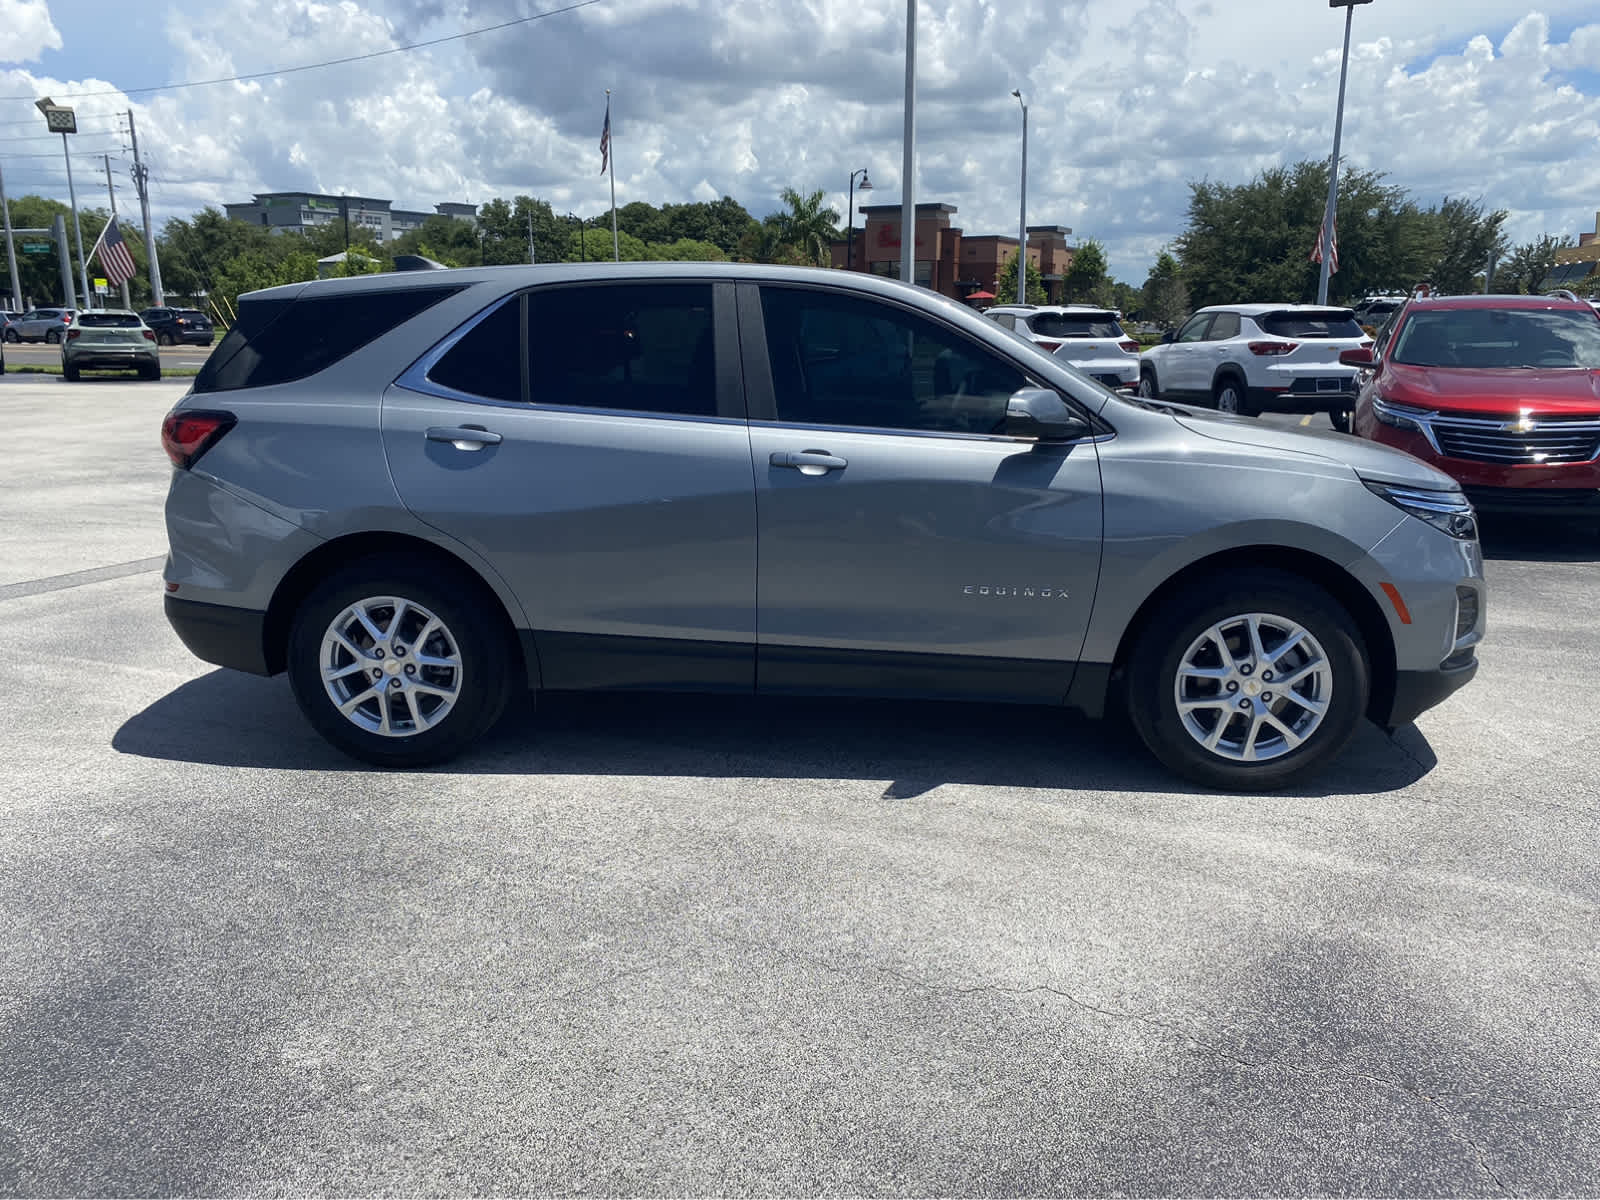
141,183
1022,218
533,257
11,248
58,233
127,302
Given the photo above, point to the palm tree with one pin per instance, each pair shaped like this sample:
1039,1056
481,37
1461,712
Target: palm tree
808,227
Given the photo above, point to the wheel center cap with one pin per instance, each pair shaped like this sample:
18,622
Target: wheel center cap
1251,687
392,667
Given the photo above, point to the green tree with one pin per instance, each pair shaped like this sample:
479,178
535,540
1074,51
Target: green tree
1525,268
685,250
39,275
455,243
1087,274
1006,285
808,227
1464,236
1166,295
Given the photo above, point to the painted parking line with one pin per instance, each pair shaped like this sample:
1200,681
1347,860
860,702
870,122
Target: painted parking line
1306,420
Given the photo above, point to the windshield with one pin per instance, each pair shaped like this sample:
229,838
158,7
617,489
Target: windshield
91,320
1076,325
1328,323
1499,337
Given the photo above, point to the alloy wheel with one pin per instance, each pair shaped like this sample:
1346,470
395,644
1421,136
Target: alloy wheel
391,667
1253,687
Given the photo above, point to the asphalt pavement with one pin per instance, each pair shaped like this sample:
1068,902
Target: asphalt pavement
668,946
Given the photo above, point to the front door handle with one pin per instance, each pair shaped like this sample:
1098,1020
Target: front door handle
464,437
808,462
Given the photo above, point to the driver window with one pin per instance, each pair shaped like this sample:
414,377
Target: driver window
1195,330
843,360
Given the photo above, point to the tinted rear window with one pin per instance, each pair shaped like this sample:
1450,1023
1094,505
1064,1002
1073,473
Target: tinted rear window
1075,325
1332,323
192,314
278,341
91,320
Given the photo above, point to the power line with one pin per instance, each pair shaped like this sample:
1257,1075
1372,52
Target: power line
332,62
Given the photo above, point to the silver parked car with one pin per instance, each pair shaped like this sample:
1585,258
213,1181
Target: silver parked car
109,339
40,325
420,493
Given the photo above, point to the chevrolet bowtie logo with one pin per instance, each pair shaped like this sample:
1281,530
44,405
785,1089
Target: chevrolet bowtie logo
1520,425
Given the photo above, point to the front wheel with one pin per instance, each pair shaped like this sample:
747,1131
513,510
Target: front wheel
399,665
1342,420
1252,690
1147,385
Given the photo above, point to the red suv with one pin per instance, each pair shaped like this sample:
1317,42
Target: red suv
1501,392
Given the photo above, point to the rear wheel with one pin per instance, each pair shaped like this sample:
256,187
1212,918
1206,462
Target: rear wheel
53,337
150,373
400,665
69,373
165,339
1252,690
12,336
1230,397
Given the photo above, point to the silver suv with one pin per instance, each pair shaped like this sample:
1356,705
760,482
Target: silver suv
420,493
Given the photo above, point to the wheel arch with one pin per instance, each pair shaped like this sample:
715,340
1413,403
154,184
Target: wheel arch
331,555
1229,370
1376,636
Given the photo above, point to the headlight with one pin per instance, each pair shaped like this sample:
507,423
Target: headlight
1399,416
1449,512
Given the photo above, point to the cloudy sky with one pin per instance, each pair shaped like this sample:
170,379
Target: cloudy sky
1128,101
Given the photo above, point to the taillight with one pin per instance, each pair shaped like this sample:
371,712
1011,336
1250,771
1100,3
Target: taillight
1269,349
148,336
1130,347
1052,347
72,333
185,436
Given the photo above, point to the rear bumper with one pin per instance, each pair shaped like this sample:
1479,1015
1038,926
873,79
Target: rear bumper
1267,400
193,339
1415,692
220,634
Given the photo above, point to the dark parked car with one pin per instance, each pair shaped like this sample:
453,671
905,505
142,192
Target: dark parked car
179,326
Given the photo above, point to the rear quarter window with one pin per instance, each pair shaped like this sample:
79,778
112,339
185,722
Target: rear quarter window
279,341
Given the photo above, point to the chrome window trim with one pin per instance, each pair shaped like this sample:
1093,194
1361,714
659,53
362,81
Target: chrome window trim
939,434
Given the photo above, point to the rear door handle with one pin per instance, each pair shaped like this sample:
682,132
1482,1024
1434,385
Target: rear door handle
808,462
464,437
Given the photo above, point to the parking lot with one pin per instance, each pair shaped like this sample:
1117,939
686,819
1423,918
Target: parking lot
669,946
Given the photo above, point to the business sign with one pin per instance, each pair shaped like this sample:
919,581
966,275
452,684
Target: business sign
102,288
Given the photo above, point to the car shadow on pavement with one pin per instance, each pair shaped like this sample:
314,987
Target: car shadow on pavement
231,719
1538,539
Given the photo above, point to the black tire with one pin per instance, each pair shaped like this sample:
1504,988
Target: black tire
165,339
1343,420
12,337
1152,678
150,374
52,337
70,374
473,621
1148,387
1229,395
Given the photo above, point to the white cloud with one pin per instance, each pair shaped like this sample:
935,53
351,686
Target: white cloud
745,97
28,30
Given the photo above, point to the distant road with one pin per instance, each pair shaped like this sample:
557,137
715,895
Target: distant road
26,354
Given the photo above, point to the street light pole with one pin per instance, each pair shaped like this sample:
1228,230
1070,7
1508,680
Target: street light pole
1022,219
850,235
908,158
1330,213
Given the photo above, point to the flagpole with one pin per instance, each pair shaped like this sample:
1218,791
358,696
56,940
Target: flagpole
127,301
611,163
1330,213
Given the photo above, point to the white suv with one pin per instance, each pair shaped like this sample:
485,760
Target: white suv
1253,358
1090,339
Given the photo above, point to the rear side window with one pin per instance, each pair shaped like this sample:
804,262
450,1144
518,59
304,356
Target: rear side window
1223,327
278,341
1076,325
1331,323
640,348
487,361
93,320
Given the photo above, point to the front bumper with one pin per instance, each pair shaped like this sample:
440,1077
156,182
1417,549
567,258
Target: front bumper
1415,692
221,634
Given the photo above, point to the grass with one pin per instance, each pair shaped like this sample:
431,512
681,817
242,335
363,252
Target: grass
38,369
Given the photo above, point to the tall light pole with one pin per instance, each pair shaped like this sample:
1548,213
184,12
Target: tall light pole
64,121
850,237
1330,214
1022,220
908,205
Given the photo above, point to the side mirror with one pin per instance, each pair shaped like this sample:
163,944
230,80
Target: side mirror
1361,356
1170,335
1042,414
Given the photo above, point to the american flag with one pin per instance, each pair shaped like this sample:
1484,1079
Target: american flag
1328,236
115,259
605,139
